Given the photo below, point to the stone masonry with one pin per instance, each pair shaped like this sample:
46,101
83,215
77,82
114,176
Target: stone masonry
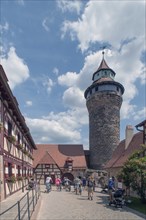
104,126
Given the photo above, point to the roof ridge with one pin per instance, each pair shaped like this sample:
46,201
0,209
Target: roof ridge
45,154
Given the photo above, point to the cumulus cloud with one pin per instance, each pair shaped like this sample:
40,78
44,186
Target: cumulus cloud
73,97
15,67
68,79
55,128
104,21
72,5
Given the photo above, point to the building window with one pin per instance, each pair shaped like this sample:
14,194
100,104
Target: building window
18,138
18,170
69,163
47,165
9,169
9,128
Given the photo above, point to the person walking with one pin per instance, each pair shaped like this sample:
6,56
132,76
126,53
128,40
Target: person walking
58,183
90,185
48,183
67,184
84,182
111,188
78,185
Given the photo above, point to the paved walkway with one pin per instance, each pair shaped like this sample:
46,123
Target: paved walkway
68,206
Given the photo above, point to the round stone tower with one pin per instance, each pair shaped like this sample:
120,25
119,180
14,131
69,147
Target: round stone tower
103,100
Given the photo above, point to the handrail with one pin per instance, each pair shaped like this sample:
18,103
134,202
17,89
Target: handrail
25,206
8,209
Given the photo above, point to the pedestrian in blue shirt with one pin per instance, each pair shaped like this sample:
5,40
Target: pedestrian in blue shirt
111,188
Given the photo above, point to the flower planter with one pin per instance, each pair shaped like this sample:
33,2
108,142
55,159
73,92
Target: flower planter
12,139
11,179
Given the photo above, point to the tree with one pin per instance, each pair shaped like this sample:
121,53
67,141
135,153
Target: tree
133,173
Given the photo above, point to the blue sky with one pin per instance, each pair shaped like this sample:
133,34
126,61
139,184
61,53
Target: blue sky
50,50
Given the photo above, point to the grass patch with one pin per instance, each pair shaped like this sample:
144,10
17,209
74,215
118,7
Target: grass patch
137,205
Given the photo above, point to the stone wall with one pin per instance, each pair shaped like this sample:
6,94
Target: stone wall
104,126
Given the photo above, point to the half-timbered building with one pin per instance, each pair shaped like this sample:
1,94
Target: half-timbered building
58,161
16,143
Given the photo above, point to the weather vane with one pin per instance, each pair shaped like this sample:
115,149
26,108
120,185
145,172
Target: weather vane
103,51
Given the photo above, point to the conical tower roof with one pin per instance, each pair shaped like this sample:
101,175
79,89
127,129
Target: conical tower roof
103,66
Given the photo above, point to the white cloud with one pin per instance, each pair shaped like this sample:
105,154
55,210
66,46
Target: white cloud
56,71
103,21
29,103
68,79
72,5
140,114
54,130
45,24
143,75
16,69
73,97
48,83
4,27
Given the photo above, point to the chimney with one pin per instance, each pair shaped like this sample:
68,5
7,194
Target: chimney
128,135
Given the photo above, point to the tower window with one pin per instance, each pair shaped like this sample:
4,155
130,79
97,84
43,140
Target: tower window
118,89
96,89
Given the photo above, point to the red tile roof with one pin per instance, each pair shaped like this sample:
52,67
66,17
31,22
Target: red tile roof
121,154
46,159
104,79
116,154
59,154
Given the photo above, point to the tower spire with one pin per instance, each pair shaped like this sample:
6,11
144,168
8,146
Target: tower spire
103,54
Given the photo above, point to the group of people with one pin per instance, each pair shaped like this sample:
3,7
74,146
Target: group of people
79,183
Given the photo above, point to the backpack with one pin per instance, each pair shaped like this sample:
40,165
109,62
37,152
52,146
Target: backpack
110,184
90,183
